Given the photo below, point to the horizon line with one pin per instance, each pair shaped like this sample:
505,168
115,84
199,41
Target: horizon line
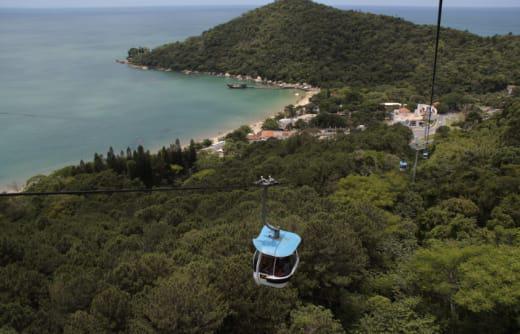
253,6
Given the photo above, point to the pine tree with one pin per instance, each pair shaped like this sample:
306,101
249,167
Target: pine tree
99,164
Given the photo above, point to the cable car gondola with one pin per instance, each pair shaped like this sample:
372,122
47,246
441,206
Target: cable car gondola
403,166
276,257
426,155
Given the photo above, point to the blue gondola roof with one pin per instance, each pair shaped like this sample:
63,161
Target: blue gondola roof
286,245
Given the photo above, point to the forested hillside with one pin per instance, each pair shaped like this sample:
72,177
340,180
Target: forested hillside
379,254
302,41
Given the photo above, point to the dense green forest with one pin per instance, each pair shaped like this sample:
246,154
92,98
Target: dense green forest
380,254
302,41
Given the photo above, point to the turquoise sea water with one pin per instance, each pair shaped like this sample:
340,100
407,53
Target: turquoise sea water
480,21
62,97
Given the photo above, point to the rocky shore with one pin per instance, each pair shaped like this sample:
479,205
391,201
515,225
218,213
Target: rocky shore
258,80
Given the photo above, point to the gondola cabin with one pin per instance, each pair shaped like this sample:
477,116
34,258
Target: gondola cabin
426,155
403,166
276,259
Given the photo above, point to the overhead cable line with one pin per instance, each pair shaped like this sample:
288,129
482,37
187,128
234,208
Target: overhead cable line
434,72
432,96
130,191
265,184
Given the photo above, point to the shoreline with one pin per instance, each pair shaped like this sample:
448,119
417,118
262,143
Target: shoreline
18,185
267,83
256,126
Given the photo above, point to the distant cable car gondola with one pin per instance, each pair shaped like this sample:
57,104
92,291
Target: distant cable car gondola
276,257
403,166
426,155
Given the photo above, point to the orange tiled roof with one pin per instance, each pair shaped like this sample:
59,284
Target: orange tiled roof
267,133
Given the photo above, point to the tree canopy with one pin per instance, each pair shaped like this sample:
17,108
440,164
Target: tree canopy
379,255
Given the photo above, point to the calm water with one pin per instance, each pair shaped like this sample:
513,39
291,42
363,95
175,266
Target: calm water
62,97
481,21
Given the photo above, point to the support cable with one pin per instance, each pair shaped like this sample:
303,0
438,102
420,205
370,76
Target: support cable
266,183
434,75
432,96
130,191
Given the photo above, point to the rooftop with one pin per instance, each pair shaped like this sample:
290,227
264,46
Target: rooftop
285,246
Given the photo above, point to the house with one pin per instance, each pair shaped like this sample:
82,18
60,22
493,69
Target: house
285,122
270,134
511,89
391,105
217,148
423,110
331,133
404,116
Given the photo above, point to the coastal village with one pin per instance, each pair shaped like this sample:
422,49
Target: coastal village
289,124
418,118
397,113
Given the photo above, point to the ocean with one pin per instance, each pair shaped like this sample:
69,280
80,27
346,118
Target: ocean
63,97
480,21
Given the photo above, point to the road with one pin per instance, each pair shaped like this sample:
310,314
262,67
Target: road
419,133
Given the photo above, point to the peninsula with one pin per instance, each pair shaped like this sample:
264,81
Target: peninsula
299,41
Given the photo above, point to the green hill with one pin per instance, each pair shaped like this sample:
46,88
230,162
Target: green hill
299,40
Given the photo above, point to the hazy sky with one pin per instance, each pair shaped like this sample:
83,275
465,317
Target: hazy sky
118,3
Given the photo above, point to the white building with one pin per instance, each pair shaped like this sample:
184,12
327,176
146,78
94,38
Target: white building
419,117
285,122
392,105
217,148
423,109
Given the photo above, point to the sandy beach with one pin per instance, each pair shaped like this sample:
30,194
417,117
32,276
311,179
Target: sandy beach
304,99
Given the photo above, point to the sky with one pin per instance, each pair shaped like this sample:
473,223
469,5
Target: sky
141,3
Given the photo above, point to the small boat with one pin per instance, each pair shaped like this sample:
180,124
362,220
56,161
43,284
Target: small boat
237,86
